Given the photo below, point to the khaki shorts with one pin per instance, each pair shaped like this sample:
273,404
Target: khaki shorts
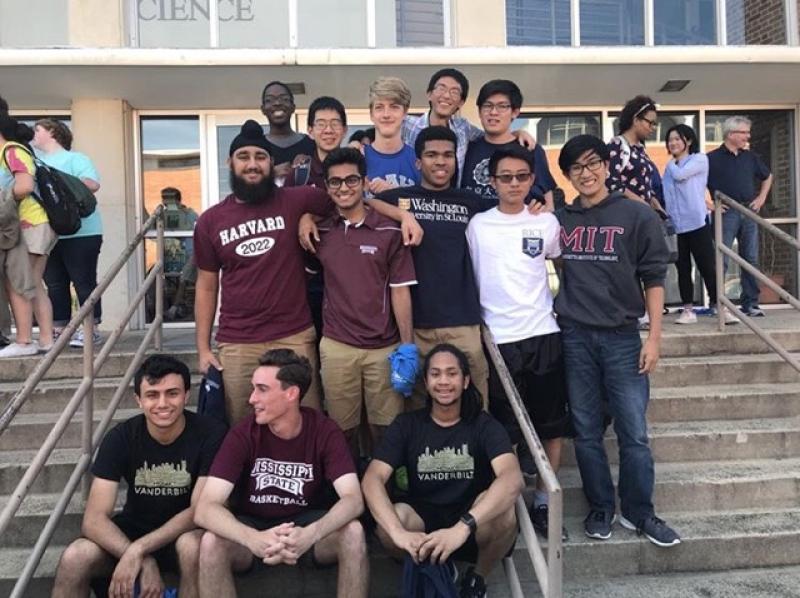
352,377
466,338
239,361
40,238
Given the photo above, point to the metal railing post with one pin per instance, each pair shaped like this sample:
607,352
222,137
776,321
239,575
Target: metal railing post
159,318
88,397
719,263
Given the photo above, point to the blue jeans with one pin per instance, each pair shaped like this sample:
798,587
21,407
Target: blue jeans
603,365
745,231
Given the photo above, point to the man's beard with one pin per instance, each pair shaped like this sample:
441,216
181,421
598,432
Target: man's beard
252,193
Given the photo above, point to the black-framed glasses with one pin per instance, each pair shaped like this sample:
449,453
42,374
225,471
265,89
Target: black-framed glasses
593,165
351,181
522,177
500,107
652,123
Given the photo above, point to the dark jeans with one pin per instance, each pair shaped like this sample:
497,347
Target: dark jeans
697,244
72,261
745,231
604,364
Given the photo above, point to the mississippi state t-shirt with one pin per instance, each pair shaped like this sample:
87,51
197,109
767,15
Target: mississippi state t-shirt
508,253
160,477
256,248
276,478
445,294
447,466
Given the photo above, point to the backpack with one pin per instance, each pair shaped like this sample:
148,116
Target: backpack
65,198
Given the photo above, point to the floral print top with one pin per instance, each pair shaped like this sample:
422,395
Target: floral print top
630,168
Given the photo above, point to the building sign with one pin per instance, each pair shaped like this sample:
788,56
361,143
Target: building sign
195,10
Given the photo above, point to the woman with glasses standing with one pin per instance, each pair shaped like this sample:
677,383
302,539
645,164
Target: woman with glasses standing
685,178
631,171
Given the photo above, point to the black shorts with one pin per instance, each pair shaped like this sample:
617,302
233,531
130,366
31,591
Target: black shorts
436,517
536,365
166,557
301,519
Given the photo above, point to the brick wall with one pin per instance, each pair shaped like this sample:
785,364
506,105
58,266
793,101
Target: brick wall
757,22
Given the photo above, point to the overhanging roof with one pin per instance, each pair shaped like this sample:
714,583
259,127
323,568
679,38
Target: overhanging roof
548,76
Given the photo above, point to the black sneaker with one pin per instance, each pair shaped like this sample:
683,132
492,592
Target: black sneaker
753,311
472,586
539,519
658,532
598,524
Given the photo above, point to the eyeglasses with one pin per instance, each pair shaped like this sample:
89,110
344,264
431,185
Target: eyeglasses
351,181
453,92
500,107
652,123
522,177
740,132
593,165
283,98
334,124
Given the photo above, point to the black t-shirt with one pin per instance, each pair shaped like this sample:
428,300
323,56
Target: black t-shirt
446,466
476,170
160,477
286,154
445,293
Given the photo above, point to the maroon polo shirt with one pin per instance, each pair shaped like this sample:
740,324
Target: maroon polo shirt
263,287
361,262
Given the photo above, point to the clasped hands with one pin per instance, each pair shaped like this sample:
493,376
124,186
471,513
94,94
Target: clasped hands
436,546
283,544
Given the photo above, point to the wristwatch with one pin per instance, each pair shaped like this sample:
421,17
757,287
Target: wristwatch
468,520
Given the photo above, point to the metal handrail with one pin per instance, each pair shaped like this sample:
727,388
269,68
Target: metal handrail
549,570
721,251
84,394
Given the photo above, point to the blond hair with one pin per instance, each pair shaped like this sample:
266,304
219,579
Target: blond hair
390,88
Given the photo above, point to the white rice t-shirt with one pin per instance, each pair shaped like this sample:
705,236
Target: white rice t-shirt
508,254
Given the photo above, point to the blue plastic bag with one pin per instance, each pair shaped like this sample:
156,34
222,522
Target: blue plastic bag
405,366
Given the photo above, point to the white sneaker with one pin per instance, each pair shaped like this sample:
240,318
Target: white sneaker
728,317
687,317
78,340
19,350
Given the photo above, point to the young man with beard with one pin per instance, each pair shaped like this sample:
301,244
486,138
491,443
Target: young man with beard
268,491
499,102
164,455
611,249
508,246
286,147
463,477
390,162
445,298
367,311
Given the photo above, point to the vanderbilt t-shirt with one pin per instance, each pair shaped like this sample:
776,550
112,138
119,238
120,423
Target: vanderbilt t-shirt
446,465
276,478
160,477
255,247
445,293
508,253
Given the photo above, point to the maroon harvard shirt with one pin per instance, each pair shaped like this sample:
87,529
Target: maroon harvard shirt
255,246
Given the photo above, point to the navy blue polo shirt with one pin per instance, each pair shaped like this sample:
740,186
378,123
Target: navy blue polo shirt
735,174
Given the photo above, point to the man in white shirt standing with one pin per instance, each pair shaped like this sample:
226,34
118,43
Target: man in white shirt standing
508,246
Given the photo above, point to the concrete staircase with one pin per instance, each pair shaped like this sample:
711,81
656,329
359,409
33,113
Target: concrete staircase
725,430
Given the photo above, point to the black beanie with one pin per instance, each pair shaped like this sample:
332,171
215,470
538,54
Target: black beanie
251,135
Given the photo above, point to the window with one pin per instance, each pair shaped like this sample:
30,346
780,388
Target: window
34,23
685,22
612,22
538,22
418,22
756,22
331,24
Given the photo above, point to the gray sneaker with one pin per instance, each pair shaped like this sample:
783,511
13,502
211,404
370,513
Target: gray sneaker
78,340
598,524
655,529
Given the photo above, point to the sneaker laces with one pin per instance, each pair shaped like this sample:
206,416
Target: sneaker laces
641,523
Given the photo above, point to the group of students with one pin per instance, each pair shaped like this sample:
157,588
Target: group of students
39,286
400,273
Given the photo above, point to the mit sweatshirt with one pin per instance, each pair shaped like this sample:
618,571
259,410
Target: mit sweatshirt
609,251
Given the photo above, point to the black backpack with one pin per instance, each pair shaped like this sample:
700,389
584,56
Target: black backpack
64,200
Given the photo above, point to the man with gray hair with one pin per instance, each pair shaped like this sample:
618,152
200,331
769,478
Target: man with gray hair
734,170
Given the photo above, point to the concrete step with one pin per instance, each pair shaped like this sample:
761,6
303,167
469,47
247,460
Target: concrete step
28,431
724,401
706,486
70,364
678,342
51,396
52,478
722,369
716,440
